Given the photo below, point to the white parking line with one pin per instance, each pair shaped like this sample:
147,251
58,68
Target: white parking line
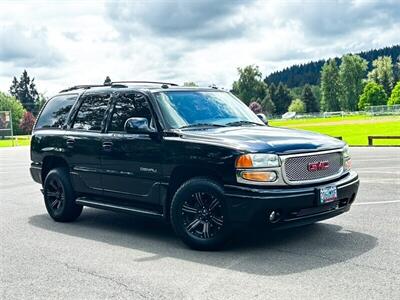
376,159
377,202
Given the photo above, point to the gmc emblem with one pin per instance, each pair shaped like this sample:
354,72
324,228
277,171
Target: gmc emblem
318,166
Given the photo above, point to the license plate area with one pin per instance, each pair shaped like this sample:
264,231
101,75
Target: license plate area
327,194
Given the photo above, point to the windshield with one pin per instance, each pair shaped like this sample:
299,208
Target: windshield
183,109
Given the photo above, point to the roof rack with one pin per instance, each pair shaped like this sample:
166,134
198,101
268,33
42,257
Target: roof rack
115,84
83,86
140,81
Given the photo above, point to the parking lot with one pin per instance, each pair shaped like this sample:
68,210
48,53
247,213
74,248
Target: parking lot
106,255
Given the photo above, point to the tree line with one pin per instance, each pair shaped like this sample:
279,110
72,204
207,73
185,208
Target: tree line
345,85
309,73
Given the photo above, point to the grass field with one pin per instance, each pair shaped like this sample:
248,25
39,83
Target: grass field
20,140
354,129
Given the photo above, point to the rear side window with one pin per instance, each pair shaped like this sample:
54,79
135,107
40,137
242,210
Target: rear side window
56,111
129,106
91,114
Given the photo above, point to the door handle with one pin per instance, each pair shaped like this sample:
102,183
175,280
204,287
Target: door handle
107,146
70,142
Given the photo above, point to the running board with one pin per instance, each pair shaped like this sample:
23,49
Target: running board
118,208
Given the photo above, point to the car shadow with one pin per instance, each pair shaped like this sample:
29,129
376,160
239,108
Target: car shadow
256,251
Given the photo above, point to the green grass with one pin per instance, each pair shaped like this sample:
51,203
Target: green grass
354,129
19,140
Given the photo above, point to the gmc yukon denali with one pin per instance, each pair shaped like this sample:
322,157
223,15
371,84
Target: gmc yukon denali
196,157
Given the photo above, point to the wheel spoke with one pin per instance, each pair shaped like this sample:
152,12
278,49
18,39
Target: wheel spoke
213,204
206,227
217,221
54,203
188,209
54,185
58,204
193,225
51,194
198,199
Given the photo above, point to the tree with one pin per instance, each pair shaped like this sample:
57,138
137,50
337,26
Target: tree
330,86
25,91
255,107
352,71
373,94
9,103
249,85
189,83
41,102
309,99
297,106
107,81
268,105
395,97
282,99
383,73
27,122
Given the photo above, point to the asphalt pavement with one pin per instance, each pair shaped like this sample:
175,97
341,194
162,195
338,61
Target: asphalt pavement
108,255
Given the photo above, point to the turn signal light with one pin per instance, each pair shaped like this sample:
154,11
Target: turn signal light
259,176
244,161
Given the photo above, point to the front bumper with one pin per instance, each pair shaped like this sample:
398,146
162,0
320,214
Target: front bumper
296,205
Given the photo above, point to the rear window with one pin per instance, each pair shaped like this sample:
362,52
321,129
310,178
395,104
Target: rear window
56,111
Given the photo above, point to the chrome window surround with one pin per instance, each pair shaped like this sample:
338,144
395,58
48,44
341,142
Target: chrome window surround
281,174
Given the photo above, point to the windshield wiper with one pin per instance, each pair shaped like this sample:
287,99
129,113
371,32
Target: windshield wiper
242,122
202,125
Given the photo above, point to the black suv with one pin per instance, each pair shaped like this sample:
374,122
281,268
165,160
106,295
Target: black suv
197,157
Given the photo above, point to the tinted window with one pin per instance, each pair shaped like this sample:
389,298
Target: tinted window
129,106
56,111
91,113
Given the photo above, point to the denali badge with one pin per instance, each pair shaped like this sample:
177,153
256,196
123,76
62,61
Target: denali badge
318,166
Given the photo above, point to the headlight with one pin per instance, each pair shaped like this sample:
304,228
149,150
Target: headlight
257,160
346,159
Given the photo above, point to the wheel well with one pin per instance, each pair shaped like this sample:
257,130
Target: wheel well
183,174
51,162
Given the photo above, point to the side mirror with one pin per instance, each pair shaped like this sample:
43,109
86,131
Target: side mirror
138,126
263,118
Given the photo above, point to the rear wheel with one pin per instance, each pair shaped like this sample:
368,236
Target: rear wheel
59,196
199,214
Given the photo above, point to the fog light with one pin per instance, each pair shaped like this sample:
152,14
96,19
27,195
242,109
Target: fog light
261,176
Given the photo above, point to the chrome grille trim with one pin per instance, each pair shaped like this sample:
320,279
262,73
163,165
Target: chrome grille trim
302,178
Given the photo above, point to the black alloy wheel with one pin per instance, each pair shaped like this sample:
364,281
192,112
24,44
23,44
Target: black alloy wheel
55,195
202,215
59,196
199,214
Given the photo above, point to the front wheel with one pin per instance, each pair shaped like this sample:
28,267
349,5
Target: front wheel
199,214
59,196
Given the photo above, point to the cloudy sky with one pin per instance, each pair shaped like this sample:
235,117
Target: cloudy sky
63,43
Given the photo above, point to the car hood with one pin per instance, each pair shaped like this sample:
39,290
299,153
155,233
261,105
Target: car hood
265,139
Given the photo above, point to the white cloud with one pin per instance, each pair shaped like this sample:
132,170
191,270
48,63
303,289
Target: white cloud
76,42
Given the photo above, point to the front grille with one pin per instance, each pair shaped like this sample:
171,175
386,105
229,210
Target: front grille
296,168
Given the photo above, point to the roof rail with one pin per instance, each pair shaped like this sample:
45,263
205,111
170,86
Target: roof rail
83,86
140,81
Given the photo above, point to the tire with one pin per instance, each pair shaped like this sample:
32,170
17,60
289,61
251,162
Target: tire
59,196
199,214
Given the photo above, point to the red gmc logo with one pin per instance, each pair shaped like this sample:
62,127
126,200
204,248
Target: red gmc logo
318,166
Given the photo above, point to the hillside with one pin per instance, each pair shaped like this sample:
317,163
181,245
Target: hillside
299,75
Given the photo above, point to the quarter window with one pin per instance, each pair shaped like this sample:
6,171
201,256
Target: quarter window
55,112
129,106
91,114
